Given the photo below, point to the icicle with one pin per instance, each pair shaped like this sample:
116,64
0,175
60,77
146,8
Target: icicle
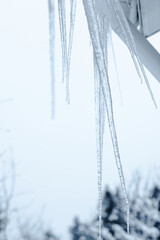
122,21
100,119
52,40
71,33
62,23
115,9
99,141
139,15
104,82
117,76
148,86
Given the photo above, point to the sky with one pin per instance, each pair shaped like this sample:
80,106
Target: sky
56,159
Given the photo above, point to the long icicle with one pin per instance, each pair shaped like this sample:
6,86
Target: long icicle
99,119
51,9
122,26
73,5
130,43
104,30
115,65
62,23
104,81
121,13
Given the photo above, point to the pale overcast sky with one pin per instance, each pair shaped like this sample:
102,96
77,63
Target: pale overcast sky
56,159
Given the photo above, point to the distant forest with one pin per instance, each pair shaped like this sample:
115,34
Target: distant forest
144,217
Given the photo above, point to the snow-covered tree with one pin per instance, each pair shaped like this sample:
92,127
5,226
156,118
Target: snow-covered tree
144,217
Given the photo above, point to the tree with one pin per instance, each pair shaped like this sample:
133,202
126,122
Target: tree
144,217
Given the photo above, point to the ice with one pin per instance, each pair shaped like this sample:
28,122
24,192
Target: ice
100,116
100,60
117,11
119,17
51,9
99,119
101,16
66,50
115,65
102,71
62,23
71,33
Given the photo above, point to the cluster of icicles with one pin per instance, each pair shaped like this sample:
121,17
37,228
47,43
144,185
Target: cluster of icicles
101,16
